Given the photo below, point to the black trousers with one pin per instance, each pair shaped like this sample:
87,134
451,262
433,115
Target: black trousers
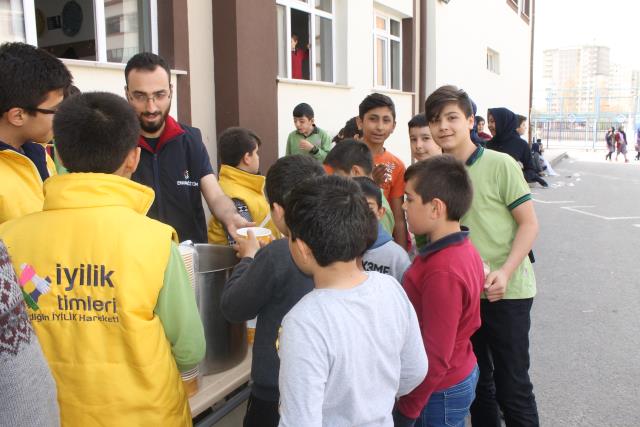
501,346
261,413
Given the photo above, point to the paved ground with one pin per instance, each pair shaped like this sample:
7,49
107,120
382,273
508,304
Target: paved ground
585,339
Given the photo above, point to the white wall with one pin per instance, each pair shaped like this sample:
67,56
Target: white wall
335,104
203,113
404,8
458,35
91,76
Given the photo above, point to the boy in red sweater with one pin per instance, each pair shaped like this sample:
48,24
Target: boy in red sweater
444,285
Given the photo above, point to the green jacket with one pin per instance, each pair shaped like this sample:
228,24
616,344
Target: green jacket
318,137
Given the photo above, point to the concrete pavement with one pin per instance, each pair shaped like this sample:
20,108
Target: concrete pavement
585,336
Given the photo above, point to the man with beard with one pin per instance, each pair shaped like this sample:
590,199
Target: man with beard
174,161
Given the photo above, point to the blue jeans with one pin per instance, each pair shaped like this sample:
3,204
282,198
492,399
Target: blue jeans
449,407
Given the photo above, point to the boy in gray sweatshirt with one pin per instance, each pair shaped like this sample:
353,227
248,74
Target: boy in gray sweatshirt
266,283
353,344
384,256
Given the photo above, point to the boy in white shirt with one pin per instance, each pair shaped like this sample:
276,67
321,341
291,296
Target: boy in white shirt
353,344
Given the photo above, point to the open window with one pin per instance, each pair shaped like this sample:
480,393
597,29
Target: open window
305,39
93,30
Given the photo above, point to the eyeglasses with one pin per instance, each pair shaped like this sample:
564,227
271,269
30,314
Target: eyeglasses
143,98
41,110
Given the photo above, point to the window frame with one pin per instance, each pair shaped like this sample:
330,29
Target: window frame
496,55
388,38
308,6
525,10
515,5
100,27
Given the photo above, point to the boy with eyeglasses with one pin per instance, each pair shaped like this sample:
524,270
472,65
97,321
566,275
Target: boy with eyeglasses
32,84
174,161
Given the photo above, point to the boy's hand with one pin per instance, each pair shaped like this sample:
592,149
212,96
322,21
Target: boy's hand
379,173
238,221
495,285
305,145
246,247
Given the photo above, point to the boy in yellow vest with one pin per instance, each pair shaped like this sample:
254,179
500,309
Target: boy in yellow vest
107,290
32,83
239,179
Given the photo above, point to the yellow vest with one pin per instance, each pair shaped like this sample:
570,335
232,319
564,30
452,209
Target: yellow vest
103,261
248,187
21,188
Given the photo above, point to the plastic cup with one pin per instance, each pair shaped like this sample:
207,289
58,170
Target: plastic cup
251,330
190,380
262,234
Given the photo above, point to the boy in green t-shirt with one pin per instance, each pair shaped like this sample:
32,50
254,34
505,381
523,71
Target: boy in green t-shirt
503,227
307,138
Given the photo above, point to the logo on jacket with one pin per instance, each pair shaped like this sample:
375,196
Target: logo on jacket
186,181
38,286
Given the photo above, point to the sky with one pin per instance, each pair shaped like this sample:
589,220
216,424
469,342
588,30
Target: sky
613,23
568,23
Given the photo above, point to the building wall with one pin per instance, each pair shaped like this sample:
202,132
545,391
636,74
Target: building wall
458,35
201,71
91,76
335,104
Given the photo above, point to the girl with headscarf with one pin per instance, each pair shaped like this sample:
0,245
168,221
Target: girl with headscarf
610,138
503,123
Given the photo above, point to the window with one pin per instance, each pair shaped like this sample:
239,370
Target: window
11,21
526,8
305,39
93,30
513,4
493,61
387,45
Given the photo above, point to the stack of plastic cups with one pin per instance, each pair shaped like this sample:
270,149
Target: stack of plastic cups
188,252
190,381
191,378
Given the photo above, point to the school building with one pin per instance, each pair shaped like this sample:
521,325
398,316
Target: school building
232,62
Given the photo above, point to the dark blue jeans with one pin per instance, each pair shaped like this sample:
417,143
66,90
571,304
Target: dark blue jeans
501,346
449,407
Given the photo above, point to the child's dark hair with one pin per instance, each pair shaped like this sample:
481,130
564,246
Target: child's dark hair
376,100
303,110
286,173
234,143
480,119
521,119
349,130
370,189
146,61
27,75
446,95
330,214
71,90
418,121
445,178
350,153
95,131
